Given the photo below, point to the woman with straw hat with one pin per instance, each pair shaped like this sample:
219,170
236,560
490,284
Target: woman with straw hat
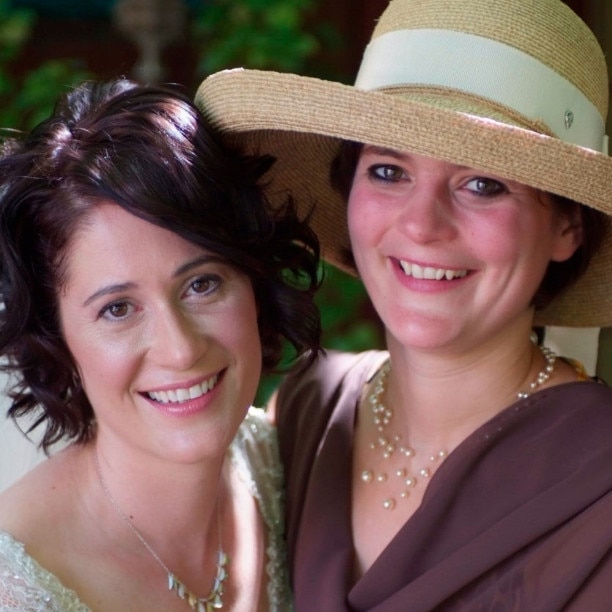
466,467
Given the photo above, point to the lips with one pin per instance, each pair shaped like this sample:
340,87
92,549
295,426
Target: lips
179,395
430,273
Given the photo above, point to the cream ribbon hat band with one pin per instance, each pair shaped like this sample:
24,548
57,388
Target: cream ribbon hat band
456,60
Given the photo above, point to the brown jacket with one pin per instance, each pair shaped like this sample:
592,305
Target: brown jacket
518,517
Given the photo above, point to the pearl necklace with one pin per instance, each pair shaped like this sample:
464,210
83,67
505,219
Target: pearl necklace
389,444
214,600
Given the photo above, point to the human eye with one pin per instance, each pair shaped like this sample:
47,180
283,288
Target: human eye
116,311
486,187
388,173
204,285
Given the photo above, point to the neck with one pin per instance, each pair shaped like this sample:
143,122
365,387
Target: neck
183,531
182,564
443,396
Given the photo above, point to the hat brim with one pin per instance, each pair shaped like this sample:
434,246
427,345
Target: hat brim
302,120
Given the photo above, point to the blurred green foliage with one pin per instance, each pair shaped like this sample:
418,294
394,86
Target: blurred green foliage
264,34
347,317
26,99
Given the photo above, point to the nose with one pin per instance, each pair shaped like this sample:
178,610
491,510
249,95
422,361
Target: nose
426,214
176,341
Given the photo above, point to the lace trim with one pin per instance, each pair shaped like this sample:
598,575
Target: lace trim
26,585
255,456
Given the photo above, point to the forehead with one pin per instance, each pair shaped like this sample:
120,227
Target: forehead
111,240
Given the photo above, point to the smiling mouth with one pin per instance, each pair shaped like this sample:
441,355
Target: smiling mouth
429,273
175,396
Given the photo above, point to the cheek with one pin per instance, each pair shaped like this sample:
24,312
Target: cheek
245,338
241,329
499,237
103,365
364,219
243,341
252,340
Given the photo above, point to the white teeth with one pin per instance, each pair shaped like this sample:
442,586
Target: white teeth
429,273
182,395
196,391
417,271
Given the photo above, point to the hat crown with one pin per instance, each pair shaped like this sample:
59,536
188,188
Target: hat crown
547,30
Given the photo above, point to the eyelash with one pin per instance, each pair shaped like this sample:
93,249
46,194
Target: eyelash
498,187
375,173
212,281
106,311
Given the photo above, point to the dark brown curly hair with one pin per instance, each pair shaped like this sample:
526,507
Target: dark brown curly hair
150,151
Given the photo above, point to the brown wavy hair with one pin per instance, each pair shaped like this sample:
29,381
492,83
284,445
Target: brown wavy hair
150,151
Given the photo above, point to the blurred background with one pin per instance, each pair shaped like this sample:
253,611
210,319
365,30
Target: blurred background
47,45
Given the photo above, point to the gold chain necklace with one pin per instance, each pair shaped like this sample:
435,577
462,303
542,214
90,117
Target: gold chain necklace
214,600
389,444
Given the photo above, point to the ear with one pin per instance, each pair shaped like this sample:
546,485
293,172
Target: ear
568,234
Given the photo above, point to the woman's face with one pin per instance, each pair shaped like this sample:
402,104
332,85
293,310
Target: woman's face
164,335
450,255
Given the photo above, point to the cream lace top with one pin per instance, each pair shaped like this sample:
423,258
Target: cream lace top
28,587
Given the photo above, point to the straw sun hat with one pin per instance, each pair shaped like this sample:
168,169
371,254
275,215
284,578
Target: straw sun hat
518,88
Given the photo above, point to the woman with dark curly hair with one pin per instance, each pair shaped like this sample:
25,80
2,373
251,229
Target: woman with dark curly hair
145,284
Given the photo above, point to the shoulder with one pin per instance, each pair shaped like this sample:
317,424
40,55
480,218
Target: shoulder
25,585
587,406
254,455
256,437
337,365
310,400
326,378
574,415
307,398
576,399
21,511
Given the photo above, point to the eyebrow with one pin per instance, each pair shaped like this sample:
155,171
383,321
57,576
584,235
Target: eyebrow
375,150
183,269
198,261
